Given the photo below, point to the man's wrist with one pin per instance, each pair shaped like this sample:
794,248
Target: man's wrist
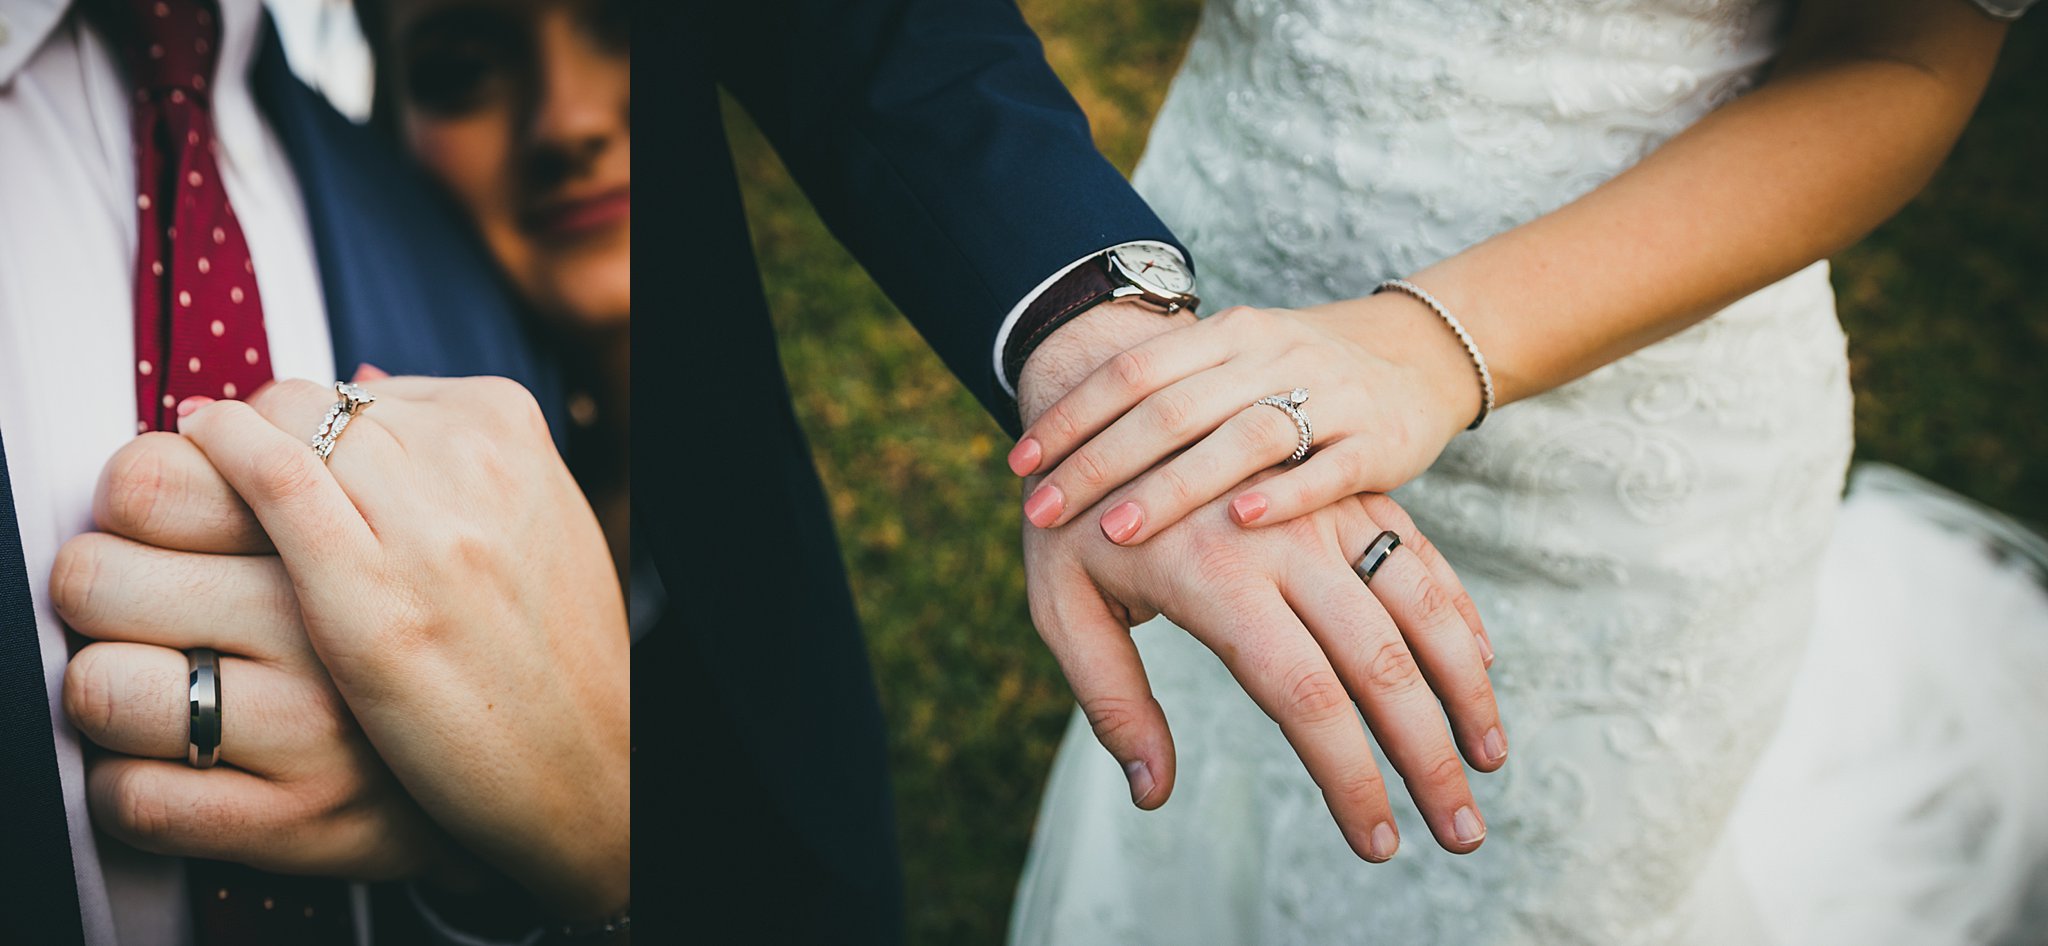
1077,348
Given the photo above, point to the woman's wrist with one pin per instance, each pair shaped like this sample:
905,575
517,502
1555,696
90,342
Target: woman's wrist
1400,329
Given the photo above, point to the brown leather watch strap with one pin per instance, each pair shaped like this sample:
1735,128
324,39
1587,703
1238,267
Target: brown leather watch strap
1069,296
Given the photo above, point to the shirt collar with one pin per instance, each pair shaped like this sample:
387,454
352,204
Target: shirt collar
24,26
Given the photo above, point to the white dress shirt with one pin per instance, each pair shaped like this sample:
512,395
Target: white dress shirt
67,342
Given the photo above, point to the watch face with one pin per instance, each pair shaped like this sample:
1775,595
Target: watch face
1155,266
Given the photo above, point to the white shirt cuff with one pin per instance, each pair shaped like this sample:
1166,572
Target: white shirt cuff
1010,321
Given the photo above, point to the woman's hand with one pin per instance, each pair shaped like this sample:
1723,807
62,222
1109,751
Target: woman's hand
455,585
1388,386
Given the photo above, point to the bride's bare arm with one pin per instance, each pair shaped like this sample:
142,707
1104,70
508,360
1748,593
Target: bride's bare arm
1865,100
1864,103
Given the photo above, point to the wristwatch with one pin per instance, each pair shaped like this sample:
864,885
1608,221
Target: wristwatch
1145,270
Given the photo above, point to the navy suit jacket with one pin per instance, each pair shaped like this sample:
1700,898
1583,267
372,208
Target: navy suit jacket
939,147
409,289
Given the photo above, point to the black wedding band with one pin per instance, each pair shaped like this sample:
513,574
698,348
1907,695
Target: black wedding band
1376,555
204,682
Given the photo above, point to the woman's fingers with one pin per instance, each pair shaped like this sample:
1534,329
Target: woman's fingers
1258,437
1329,474
1101,664
1113,389
109,587
1163,422
1380,671
133,699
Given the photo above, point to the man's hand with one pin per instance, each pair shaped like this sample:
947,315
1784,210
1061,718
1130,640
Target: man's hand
301,790
451,579
1293,623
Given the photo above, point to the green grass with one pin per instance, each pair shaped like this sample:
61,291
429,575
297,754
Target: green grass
1946,306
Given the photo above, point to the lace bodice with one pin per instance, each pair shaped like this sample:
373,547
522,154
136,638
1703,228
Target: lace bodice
1643,541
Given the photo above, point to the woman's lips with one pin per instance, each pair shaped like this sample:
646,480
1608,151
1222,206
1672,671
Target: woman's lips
582,215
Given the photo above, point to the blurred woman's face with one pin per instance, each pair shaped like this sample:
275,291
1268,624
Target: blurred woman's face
523,109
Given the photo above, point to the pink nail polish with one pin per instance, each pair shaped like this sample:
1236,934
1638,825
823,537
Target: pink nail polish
370,372
1024,457
193,403
1122,522
1248,508
1140,776
1043,508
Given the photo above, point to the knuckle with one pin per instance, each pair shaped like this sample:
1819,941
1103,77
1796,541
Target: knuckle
1175,487
511,403
1058,424
136,484
1391,667
1359,786
1088,470
1117,719
1132,369
274,396
1434,602
139,810
283,473
89,690
1317,696
74,575
1442,770
1172,410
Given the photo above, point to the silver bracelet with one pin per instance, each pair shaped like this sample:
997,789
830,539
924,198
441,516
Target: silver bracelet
1465,338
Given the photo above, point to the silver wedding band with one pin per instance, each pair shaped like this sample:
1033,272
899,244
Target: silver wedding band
203,748
352,400
1376,555
1305,436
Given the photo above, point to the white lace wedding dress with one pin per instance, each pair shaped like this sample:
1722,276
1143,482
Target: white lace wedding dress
1740,710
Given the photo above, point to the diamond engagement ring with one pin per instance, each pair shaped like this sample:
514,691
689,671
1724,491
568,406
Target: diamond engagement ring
1376,555
202,748
353,399
1291,403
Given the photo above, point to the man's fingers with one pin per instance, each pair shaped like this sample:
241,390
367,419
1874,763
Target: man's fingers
160,489
134,699
1101,664
227,814
1378,669
1283,670
1254,439
109,587
1383,509
1447,652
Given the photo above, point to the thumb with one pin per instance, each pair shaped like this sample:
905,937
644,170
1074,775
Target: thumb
370,372
1101,664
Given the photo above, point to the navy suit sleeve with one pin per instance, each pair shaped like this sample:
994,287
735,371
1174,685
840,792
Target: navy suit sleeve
938,146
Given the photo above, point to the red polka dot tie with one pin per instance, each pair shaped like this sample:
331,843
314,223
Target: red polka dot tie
198,317
199,331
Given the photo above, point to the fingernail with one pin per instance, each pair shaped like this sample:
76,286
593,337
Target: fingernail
1383,843
1485,649
1024,457
1140,775
1043,508
1465,826
1248,508
369,372
1122,522
1496,745
193,403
